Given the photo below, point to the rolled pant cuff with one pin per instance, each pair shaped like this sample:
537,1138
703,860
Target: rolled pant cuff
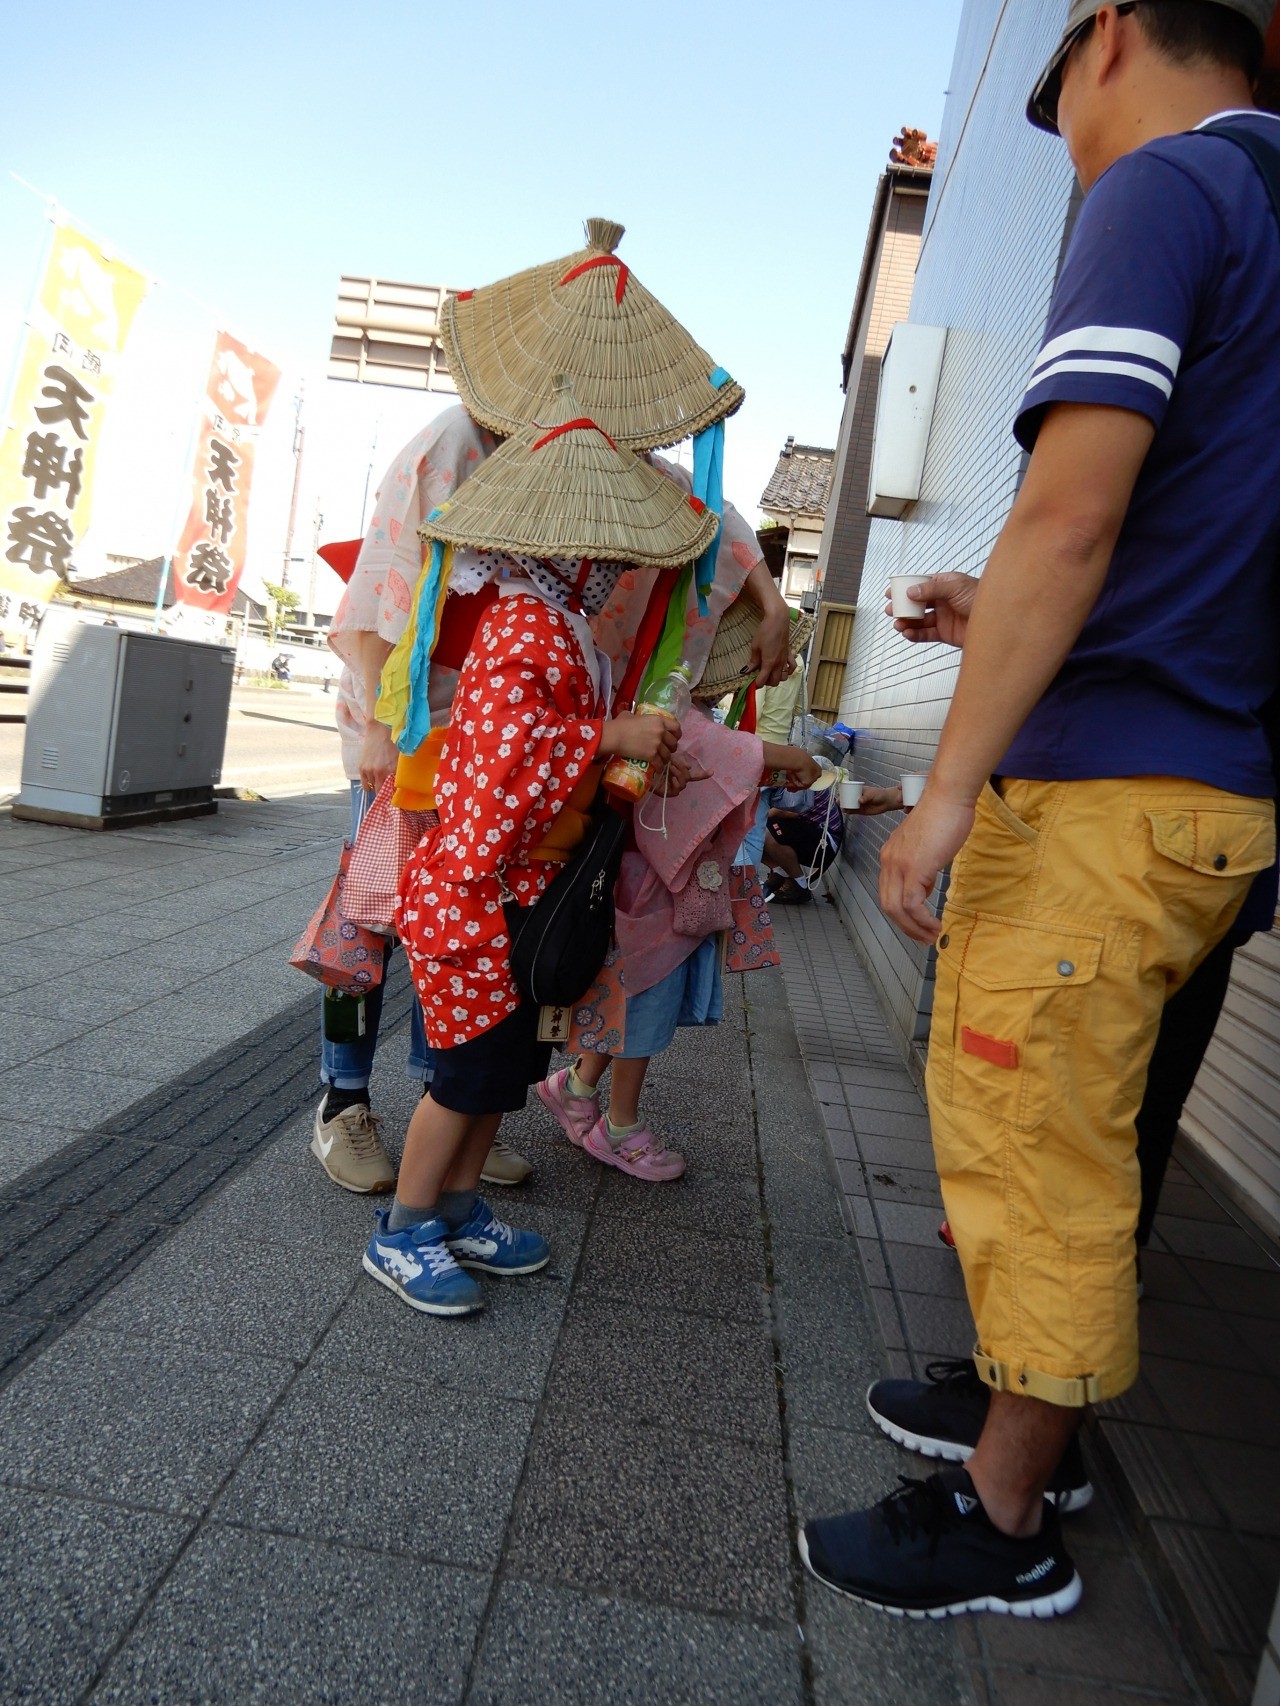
1069,1393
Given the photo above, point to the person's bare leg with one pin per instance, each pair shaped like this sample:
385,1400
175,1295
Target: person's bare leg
624,1091
469,1162
780,858
1021,1446
591,1068
442,1144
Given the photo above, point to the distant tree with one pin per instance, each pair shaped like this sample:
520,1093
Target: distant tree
280,601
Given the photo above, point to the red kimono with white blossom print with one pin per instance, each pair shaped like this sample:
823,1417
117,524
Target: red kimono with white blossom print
526,723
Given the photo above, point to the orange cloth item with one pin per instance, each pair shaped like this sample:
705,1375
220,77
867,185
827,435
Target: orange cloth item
570,828
416,774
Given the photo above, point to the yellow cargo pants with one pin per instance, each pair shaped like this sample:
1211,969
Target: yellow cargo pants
1075,910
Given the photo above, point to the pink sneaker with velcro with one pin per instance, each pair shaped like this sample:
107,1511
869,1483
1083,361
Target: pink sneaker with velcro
639,1154
577,1114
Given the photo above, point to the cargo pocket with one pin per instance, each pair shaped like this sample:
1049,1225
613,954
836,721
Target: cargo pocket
1010,1003
1216,843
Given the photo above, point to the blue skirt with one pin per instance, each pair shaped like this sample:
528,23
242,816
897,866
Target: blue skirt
692,994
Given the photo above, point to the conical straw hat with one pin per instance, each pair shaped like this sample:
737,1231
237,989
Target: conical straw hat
562,488
729,660
637,372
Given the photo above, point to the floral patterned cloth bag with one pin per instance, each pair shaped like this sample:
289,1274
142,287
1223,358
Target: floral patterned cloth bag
749,943
385,839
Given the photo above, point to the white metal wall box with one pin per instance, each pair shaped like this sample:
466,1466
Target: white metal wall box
904,414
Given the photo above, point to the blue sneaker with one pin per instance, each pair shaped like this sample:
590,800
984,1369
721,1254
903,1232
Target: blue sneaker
418,1266
490,1245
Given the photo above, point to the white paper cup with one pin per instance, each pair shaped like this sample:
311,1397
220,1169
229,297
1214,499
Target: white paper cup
906,609
912,788
851,795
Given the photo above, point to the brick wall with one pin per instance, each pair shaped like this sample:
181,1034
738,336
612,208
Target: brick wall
992,239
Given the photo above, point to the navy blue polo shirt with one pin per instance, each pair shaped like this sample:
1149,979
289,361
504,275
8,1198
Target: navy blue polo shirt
1169,305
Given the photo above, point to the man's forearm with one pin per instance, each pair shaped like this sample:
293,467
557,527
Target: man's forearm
1039,587
761,586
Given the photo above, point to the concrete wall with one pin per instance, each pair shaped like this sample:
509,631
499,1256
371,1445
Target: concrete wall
992,240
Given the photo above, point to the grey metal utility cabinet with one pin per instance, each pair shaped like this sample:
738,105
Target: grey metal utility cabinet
122,728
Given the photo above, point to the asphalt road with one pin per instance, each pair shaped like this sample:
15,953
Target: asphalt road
278,743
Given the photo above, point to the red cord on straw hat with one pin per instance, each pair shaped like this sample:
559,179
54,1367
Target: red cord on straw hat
580,425
624,272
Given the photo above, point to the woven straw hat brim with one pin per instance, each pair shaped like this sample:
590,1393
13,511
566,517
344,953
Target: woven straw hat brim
636,371
562,490
729,660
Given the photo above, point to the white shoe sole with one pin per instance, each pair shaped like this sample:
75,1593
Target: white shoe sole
398,1290
948,1451
378,1188
1048,1605
501,1273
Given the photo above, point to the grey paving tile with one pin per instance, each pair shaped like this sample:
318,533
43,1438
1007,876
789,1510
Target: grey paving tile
350,1627
1117,1635
1244,1479
25,1144
904,1184
918,1268
703,1199
201,1288
1246,1291
1036,1688
829,1340
713,1274
1212,1243
17,1331
1159,1474
1235,1404
707,1523
546,1644
892,1152
452,1458
667,1370
139,1424
944,1322
78,1099
505,1351
72,1576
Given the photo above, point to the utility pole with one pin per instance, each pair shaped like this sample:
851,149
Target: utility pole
299,437
315,557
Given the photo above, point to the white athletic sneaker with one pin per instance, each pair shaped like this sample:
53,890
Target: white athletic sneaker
349,1148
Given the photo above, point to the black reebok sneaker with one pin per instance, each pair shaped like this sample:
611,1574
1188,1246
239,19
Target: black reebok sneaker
942,1416
930,1550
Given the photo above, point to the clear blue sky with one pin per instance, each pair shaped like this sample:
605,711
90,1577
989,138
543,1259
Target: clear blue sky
251,153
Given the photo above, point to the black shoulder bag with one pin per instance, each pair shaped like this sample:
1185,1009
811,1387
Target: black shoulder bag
560,942
1265,156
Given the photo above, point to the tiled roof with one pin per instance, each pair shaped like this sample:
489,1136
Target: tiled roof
138,583
801,482
913,148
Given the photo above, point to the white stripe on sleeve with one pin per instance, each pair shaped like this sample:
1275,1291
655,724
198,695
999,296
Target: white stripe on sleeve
1113,340
1121,369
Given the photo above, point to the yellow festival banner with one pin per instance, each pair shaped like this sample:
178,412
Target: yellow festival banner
67,366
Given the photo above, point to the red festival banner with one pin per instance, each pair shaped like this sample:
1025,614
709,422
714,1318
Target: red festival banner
211,550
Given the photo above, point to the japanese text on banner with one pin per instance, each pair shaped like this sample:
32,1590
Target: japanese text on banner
67,368
211,551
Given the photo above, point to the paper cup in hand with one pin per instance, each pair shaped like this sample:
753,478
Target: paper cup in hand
851,795
906,609
912,789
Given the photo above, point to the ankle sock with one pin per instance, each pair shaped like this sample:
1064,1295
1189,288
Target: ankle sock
578,1086
455,1208
402,1216
616,1133
338,1101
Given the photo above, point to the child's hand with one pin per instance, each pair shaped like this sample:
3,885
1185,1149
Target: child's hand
678,775
652,738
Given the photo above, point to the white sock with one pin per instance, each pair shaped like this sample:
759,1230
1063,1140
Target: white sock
801,882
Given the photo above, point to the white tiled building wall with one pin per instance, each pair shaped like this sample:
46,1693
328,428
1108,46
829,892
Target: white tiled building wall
993,236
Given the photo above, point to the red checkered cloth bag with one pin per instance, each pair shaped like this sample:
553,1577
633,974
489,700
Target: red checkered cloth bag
335,950
384,841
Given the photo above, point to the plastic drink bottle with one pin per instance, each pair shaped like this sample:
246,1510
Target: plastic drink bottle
629,778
